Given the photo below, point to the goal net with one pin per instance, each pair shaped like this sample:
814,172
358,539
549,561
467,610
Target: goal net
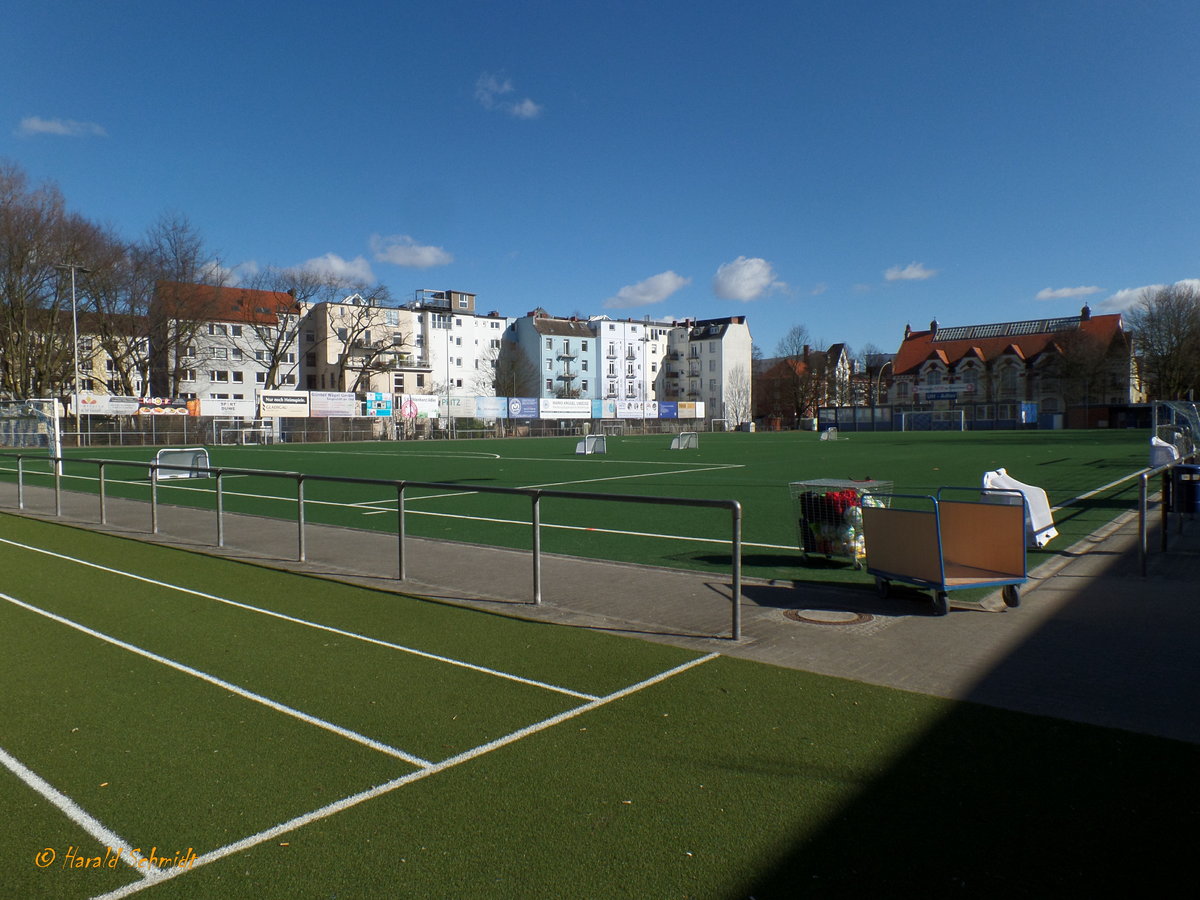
933,420
31,424
593,443
1177,422
829,434
686,440
617,427
722,425
182,462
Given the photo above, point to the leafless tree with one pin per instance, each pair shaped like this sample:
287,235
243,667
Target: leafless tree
1166,327
738,395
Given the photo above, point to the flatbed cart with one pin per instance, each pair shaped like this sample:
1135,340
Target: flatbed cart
947,545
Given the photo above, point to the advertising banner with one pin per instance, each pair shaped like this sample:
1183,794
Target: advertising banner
491,408
522,407
162,406
107,405
418,406
462,407
555,408
283,404
604,409
377,405
227,408
636,409
332,404
668,409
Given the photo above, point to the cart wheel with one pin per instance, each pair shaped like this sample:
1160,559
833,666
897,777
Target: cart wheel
882,587
941,603
1011,595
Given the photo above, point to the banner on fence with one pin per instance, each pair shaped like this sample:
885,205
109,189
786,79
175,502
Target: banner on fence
377,405
563,408
691,410
491,408
332,404
604,409
107,405
522,407
227,408
668,409
462,407
637,409
283,404
163,406
418,406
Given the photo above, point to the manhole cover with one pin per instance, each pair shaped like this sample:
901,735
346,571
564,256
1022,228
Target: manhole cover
827,616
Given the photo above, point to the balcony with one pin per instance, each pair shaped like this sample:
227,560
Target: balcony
567,354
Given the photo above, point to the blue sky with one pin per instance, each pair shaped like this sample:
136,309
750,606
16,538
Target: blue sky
851,167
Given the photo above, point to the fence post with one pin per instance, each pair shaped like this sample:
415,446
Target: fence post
1167,491
1142,523
401,569
220,512
20,482
103,507
300,516
537,548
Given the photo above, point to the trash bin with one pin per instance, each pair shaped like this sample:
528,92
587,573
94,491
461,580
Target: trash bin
1187,489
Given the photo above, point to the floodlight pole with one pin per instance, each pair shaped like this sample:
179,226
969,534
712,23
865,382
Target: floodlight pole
73,267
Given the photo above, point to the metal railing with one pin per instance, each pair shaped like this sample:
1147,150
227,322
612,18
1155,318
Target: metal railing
535,496
1168,489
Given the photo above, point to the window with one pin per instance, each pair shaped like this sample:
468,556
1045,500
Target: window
549,365
309,337
187,375
585,343
289,357
494,343
220,396
584,365
238,377
549,344
235,353
583,386
217,329
933,377
391,317
398,383
342,334
458,342
260,377
189,350
85,345
218,353
288,379
239,396
462,303
217,375
260,355
109,366
549,384
310,359
236,330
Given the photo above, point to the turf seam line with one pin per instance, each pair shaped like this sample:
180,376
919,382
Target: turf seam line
226,685
107,838
496,673
337,806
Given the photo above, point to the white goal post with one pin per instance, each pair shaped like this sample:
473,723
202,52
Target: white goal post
593,443
933,420
181,462
612,427
722,425
686,440
829,434
31,423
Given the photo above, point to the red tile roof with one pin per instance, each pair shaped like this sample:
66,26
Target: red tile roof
204,303
987,342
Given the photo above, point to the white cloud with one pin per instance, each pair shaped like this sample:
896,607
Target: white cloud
745,279
492,93
819,289
1124,300
32,125
1066,293
654,289
402,250
914,271
357,269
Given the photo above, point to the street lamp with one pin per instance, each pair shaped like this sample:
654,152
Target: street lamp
73,268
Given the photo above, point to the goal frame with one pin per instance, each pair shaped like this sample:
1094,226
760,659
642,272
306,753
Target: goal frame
939,419
592,444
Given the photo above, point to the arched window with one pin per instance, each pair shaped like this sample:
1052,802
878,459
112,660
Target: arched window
1008,381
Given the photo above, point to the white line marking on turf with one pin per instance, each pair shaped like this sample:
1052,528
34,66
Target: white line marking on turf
355,799
221,683
73,811
305,622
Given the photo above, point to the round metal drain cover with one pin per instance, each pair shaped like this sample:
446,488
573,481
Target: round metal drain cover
827,616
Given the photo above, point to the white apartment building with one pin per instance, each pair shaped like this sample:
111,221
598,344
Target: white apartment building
706,361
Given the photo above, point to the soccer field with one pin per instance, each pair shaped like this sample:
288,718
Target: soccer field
1088,475
177,725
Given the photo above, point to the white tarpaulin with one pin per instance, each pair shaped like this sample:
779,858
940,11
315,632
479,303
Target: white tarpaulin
1039,523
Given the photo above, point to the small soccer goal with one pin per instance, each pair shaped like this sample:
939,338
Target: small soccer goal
686,440
26,424
612,427
722,425
593,443
829,434
180,462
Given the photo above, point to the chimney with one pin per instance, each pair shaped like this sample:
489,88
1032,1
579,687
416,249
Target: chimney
1085,313
806,348
907,331
933,326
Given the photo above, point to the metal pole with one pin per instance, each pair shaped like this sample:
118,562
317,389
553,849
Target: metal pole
220,512
737,571
103,510
403,571
58,486
300,516
154,499
20,482
1142,523
537,549
1167,486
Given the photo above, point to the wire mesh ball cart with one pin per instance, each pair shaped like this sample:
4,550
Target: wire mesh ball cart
828,514
947,545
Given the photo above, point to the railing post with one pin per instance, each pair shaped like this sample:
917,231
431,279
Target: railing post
153,497
1142,492
58,487
20,482
400,526
300,516
736,515
1167,491
220,512
537,548
103,507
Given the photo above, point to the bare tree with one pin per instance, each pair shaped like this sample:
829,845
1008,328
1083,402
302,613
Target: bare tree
801,377
515,375
1166,326
738,395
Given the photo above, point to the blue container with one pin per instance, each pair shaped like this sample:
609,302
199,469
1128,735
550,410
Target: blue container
1187,489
